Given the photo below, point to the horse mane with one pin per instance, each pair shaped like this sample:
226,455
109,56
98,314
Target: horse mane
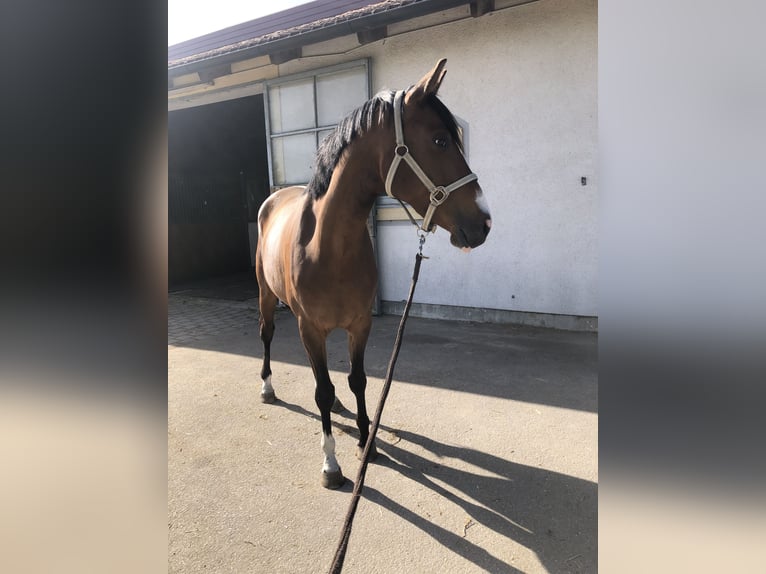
375,111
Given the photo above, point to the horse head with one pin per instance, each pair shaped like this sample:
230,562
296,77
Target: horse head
438,183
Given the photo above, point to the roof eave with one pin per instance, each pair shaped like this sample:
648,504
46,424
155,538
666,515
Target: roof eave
343,28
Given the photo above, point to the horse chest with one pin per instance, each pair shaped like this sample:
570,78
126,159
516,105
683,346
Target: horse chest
336,290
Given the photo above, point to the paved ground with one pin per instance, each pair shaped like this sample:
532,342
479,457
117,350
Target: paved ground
240,286
488,456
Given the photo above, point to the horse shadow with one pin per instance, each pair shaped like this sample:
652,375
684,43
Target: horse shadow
552,514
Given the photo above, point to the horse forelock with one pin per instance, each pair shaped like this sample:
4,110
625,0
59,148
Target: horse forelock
449,121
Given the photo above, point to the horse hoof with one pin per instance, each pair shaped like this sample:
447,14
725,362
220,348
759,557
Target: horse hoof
337,406
268,397
360,452
333,480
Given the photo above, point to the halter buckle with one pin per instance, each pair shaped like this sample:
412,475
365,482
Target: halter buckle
401,150
438,195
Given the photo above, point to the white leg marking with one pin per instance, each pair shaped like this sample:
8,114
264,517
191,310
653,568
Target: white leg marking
266,387
328,446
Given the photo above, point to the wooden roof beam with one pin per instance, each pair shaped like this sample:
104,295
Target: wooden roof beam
372,35
283,56
481,7
207,75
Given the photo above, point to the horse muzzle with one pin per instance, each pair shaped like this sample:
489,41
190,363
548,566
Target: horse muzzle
466,237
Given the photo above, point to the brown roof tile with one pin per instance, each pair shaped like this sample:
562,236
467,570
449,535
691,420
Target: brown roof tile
294,30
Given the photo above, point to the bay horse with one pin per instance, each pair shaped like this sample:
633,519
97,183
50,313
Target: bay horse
314,250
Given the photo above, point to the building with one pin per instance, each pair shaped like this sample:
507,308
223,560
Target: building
521,80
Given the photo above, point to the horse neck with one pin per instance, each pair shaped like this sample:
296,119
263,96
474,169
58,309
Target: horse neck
356,183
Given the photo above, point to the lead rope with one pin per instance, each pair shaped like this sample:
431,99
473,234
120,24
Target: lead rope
340,552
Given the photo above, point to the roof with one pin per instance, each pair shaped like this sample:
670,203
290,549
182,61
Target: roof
283,20
299,26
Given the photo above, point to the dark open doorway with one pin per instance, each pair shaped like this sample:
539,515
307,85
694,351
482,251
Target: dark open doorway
218,178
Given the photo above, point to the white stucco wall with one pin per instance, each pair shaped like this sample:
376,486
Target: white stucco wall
525,81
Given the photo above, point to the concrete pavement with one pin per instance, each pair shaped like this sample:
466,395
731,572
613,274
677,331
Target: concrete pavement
488,449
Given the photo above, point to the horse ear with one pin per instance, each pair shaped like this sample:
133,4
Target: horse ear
428,84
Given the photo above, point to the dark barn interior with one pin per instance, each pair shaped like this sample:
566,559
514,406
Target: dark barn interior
217,180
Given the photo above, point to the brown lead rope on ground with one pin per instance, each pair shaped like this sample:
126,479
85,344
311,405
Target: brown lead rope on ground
340,552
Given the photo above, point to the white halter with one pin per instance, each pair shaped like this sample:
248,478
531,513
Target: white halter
438,193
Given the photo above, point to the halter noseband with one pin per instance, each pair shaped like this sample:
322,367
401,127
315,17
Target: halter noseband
438,193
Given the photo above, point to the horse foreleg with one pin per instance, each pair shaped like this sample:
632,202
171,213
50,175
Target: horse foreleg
324,395
357,381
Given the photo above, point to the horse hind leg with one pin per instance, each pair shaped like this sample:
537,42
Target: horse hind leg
357,382
267,301
267,333
314,342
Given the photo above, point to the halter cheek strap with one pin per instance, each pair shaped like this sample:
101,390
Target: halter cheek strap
438,193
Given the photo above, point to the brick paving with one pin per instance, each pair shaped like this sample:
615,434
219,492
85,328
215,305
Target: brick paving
192,319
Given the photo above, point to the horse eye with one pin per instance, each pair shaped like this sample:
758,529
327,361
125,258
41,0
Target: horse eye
441,142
